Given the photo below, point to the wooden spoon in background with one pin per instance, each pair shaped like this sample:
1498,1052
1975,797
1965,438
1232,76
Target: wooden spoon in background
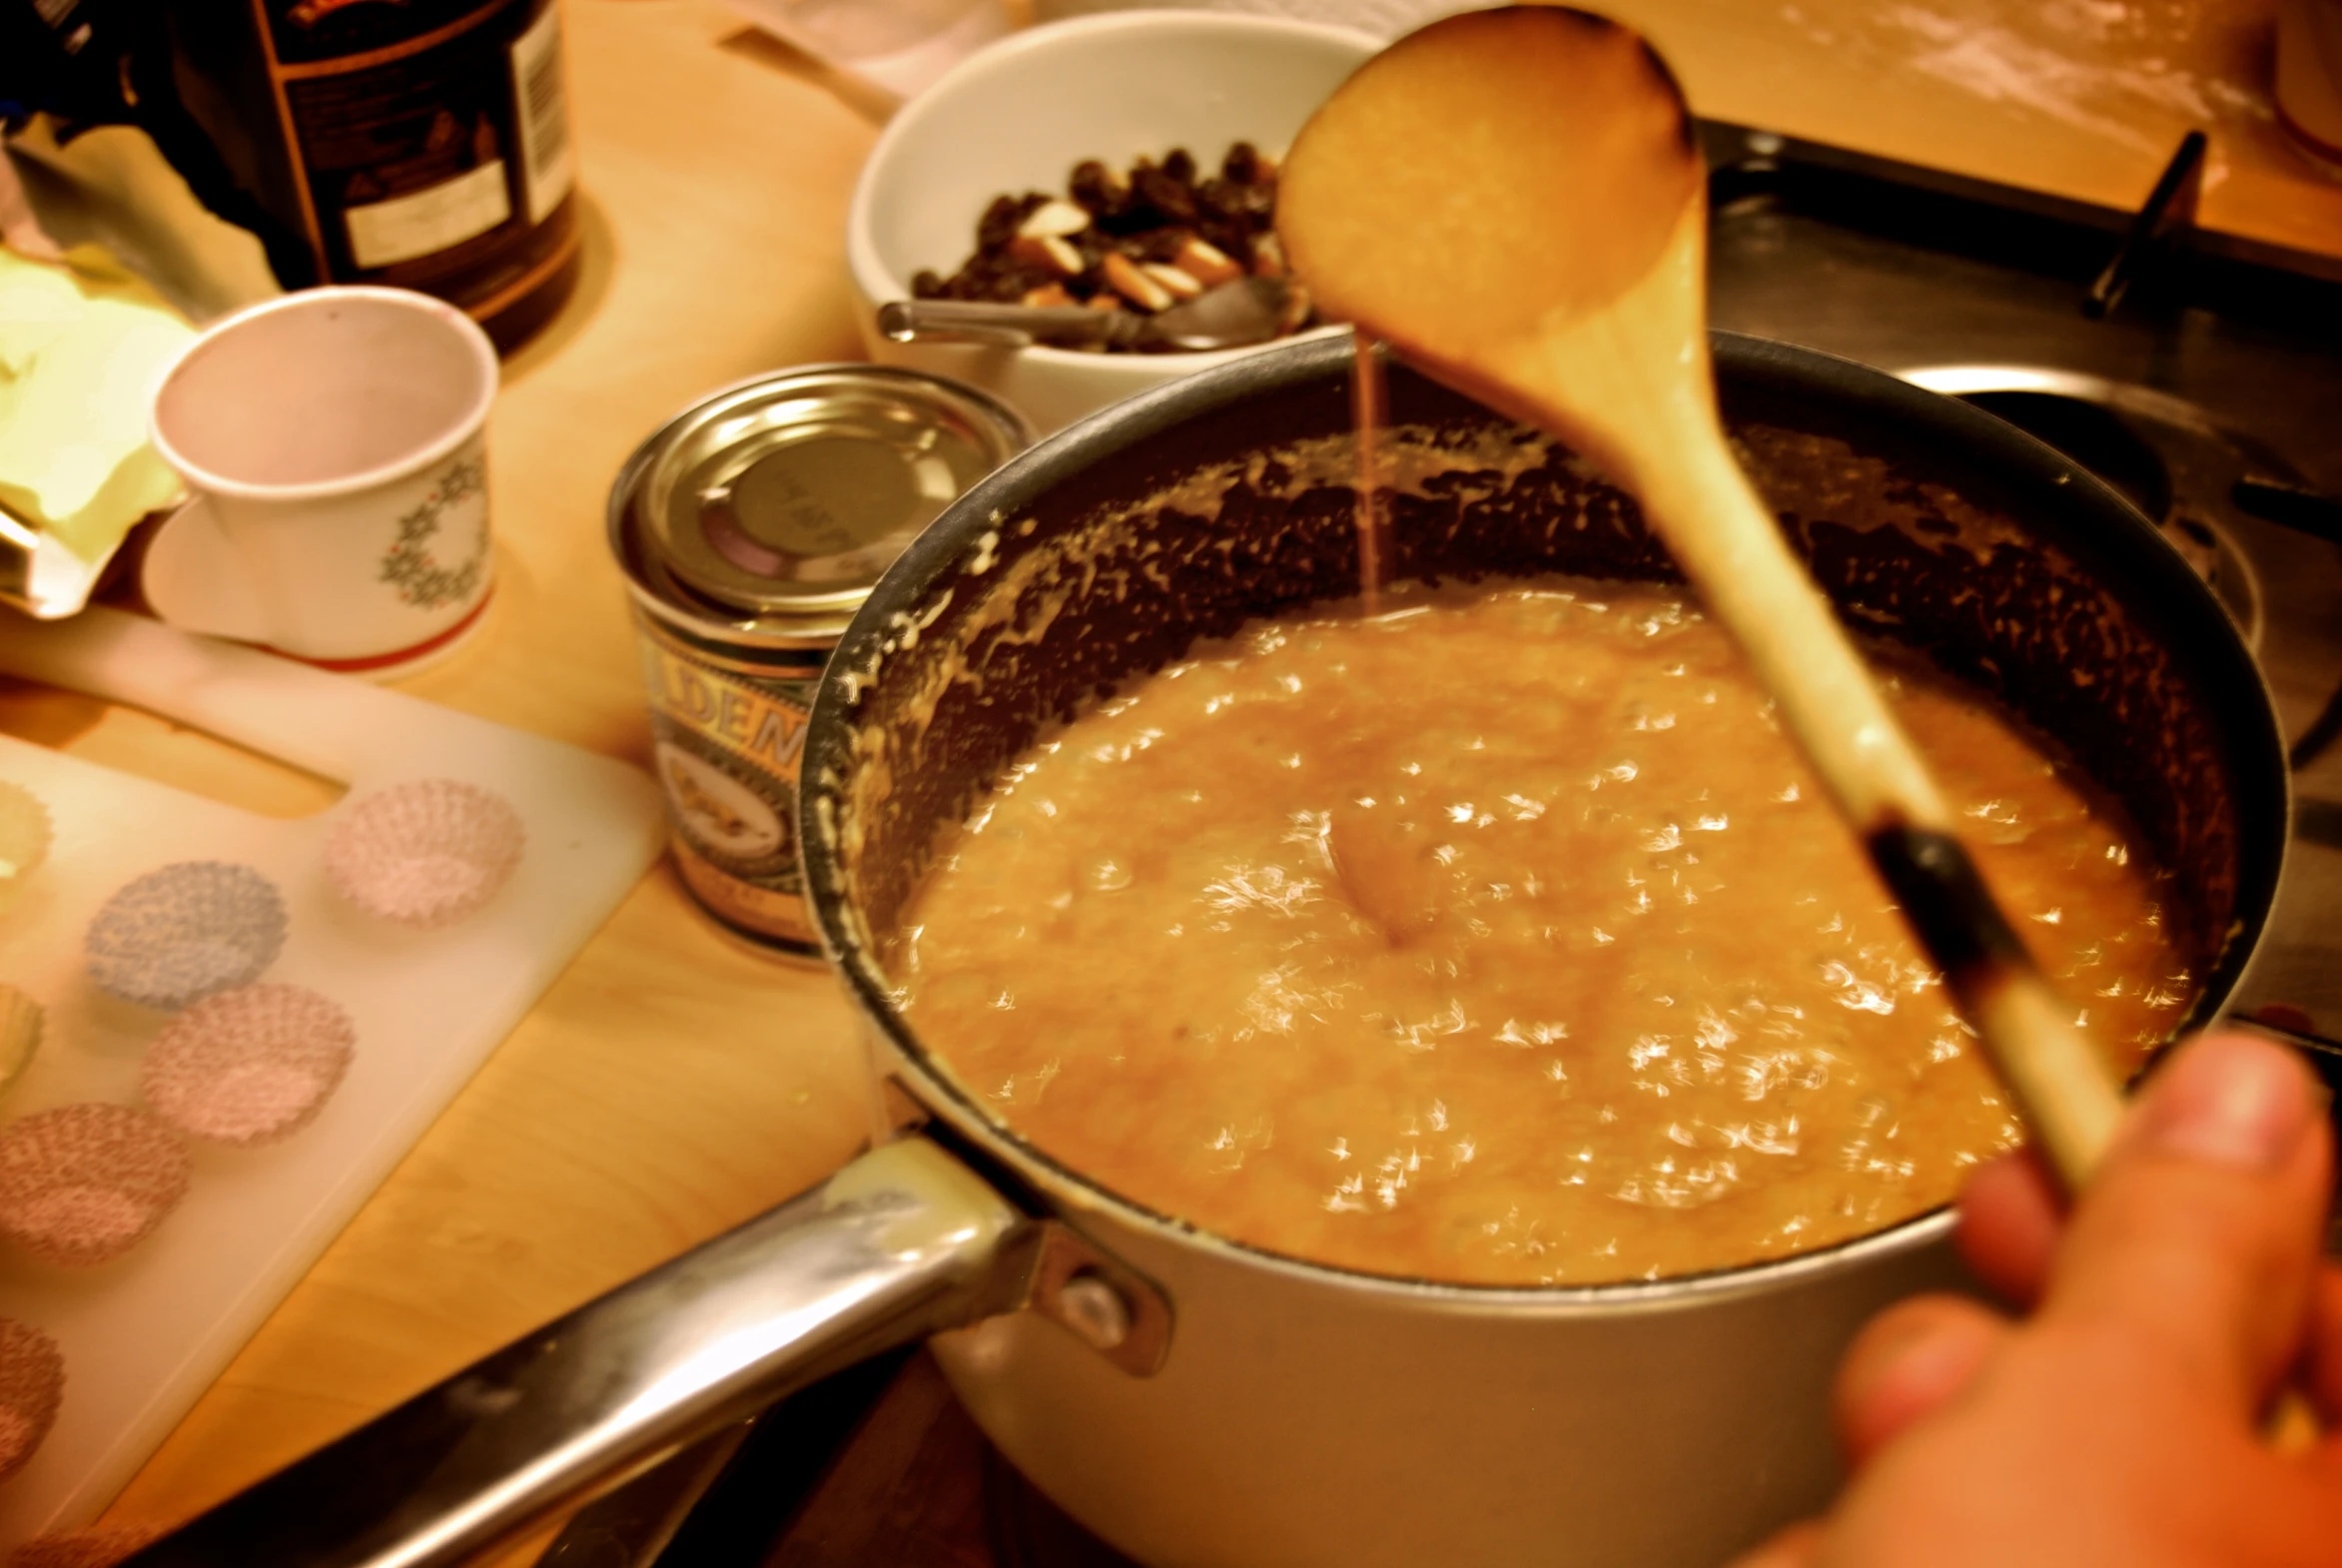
1513,200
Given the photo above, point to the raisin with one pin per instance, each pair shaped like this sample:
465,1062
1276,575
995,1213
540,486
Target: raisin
1158,245
1181,166
1242,164
1098,192
1232,236
1168,200
1021,280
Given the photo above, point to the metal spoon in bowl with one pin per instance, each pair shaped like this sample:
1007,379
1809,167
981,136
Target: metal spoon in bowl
1234,315
1513,200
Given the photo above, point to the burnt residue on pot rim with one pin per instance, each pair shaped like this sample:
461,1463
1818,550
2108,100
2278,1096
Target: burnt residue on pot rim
966,554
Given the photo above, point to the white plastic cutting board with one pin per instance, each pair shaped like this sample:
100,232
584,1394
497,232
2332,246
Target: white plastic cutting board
145,1334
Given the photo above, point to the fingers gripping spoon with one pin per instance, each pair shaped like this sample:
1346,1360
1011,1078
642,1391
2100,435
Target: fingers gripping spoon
1513,201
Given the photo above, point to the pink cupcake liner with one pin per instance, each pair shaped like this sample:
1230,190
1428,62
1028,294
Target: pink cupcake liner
249,1065
32,1387
84,1184
425,854
185,931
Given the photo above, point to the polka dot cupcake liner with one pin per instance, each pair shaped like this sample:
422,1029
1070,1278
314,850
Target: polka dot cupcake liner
85,1183
185,931
32,1387
249,1065
426,854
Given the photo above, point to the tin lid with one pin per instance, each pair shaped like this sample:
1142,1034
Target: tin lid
786,498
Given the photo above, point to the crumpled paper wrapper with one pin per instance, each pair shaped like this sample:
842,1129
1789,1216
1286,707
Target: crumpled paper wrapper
82,344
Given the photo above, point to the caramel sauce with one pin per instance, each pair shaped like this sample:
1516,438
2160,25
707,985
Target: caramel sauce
1499,937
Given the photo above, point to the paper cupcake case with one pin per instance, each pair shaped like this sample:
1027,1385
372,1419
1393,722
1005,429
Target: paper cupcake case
289,1044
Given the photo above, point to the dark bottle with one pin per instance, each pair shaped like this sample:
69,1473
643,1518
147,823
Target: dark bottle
422,144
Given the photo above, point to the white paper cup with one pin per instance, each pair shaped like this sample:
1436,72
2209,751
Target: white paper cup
336,443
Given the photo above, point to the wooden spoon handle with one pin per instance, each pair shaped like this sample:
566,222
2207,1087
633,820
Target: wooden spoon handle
2061,1084
1762,593
1745,572
1735,556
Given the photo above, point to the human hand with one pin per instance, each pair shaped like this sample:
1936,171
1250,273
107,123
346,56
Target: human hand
2119,1420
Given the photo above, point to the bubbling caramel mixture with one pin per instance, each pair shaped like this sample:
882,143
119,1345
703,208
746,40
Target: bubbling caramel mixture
1498,938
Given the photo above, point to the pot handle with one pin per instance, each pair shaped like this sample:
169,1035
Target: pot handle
903,1242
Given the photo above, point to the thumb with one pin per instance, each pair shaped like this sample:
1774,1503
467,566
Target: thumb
2197,1240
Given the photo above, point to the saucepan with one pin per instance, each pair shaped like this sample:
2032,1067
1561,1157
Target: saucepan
1196,1401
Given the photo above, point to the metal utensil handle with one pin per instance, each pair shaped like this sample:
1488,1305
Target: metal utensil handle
1013,326
900,1244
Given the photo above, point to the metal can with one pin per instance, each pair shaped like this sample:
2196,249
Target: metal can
750,527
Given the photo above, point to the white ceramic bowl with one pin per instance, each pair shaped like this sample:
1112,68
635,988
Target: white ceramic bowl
1018,117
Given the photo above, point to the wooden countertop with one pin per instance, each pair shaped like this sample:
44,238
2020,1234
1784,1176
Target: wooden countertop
672,1083
2083,98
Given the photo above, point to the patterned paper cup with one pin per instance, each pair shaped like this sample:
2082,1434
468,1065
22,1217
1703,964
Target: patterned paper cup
336,442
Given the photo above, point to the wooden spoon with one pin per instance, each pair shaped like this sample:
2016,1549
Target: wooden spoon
1512,199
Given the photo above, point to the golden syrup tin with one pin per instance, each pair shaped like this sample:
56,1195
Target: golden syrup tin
750,527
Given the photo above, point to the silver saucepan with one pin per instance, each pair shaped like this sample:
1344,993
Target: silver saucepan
1195,1401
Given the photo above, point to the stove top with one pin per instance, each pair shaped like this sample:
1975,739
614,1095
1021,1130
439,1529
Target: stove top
2210,393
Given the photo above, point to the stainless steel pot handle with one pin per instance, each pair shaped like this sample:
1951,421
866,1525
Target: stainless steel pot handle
903,1242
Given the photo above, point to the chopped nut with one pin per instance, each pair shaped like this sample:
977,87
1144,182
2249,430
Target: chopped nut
1126,278
1050,295
1050,250
1183,284
1052,218
1206,263
1268,257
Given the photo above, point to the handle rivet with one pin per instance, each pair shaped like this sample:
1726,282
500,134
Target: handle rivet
1094,1310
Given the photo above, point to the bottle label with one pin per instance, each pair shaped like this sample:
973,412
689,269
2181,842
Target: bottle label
431,139
435,218
537,87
